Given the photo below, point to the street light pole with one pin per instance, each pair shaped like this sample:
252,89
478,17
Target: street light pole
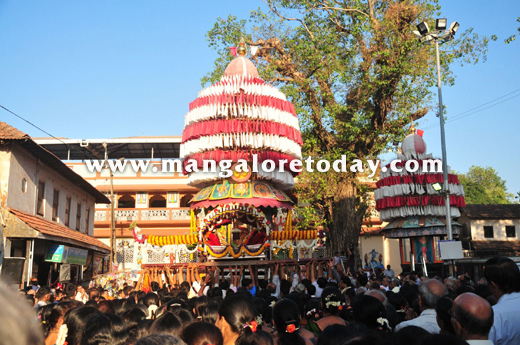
113,256
443,145
112,224
441,34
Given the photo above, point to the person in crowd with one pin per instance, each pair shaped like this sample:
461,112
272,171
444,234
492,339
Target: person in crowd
81,294
429,293
333,335
472,319
76,320
42,297
97,331
332,302
34,284
264,314
202,333
411,335
443,310
380,295
152,303
313,313
385,283
17,324
389,272
167,323
236,315
55,320
321,282
503,277
394,285
370,312
286,321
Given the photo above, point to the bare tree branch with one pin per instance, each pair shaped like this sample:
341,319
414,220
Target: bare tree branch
275,11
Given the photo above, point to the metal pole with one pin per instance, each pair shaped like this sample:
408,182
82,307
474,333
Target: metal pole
113,223
444,156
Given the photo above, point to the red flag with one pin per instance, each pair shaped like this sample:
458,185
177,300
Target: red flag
420,133
233,51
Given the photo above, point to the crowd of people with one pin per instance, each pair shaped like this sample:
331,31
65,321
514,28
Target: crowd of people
317,303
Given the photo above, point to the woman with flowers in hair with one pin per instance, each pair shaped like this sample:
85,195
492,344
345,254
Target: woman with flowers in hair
332,303
286,321
312,314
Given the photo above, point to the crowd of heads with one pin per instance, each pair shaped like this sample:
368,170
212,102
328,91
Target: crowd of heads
288,307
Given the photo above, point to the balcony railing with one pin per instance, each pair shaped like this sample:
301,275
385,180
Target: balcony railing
143,214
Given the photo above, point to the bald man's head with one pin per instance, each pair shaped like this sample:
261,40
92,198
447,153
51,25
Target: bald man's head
430,292
472,316
379,295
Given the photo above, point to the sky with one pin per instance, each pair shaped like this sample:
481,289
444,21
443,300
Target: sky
107,69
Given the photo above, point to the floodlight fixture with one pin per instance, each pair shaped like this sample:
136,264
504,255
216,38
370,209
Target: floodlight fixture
437,186
441,24
454,27
417,33
423,28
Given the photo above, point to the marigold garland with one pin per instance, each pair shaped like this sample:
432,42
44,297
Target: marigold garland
294,235
172,240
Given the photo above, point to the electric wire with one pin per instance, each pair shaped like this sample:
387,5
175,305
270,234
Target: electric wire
44,131
477,109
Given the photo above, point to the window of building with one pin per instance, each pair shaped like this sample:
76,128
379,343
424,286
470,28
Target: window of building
126,201
87,218
55,204
67,211
41,193
78,217
157,201
488,232
510,231
185,199
24,185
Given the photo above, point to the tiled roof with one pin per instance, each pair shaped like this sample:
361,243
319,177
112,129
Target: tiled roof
9,132
54,229
506,211
498,246
371,231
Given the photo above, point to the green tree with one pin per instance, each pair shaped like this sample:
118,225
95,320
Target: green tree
513,37
482,185
357,76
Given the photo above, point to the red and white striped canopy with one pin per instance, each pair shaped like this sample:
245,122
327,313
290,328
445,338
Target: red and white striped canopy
405,194
237,117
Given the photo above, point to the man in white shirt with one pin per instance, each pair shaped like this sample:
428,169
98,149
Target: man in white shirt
389,272
472,318
503,279
81,294
430,292
395,285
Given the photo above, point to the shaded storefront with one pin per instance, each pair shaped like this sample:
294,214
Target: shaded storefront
51,252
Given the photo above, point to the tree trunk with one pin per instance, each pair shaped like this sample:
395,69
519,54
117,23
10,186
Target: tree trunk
347,219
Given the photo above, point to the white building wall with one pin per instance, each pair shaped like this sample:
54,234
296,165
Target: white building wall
499,229
25,165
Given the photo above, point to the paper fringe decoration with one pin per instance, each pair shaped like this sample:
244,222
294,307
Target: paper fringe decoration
254,49
233,51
